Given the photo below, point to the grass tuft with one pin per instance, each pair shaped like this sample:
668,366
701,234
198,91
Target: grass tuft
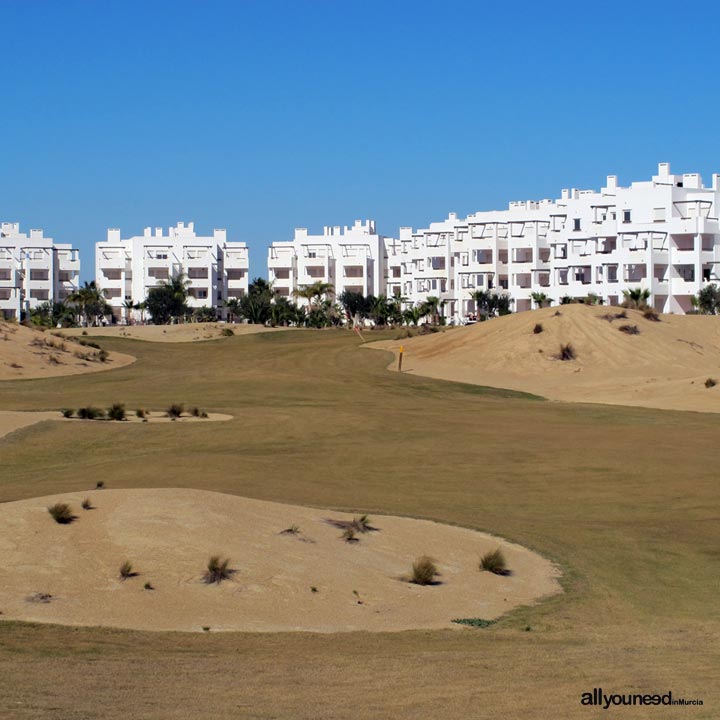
126,570
629,329
175,411
424,571
217,570
61,513
567,352
650,314
537,329
349,534
116,412
474,622
710,382
86,504
494,562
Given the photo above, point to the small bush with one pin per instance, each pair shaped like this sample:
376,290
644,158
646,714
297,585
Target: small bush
175,410
100,484
142,414
424,571
103,355
126,570
557,313
195,412
494,562
217,570
567,352
349,535
292,530
39,598
148,586
227,332
650,314
313,589
84,332
629,329
67,412
61,513
117,412
474,622
362,524
86,504
710,382
537,329
204,415
90,413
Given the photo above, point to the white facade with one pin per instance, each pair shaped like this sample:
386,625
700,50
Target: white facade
349,258
661,235
34,270
217,270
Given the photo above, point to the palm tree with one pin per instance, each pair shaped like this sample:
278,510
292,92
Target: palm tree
90,301
233,308
541,299
482,300
636,298
314,293
432,307
142,307
413,314
129,306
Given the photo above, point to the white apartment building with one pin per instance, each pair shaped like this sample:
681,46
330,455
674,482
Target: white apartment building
349,258
33,270
126,269
661,235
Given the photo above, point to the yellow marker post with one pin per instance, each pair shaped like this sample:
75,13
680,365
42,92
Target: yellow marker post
402,350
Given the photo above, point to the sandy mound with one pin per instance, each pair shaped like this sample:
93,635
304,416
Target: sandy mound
173,333
11,420
169,535
664,366
28,353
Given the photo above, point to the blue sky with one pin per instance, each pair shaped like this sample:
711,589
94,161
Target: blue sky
261,116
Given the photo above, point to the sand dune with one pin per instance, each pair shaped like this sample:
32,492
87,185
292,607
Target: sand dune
169,535
29,353
188,332
664,366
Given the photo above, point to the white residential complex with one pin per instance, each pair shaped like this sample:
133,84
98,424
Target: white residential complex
217,270
34,270
349,258
661,235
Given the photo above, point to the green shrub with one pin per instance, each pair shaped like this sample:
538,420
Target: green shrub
349,535
227,332
61,513
474,622
148,586
424,571
142,414
494,562
567,352
67,412
126,570
217,570
103,355
175,411
629,329
117,412
362,524
90,413
195,411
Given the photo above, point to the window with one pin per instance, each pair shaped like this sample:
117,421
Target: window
659,214
576,224
627,215
201,294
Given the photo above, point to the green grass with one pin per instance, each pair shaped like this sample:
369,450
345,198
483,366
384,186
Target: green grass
623,499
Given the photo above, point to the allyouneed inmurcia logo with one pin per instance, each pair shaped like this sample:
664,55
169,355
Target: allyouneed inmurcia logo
599,698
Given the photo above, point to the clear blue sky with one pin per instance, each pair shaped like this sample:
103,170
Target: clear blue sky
261,116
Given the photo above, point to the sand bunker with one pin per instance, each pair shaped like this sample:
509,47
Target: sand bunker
665,365
27,353
11,420
188,332
169,535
